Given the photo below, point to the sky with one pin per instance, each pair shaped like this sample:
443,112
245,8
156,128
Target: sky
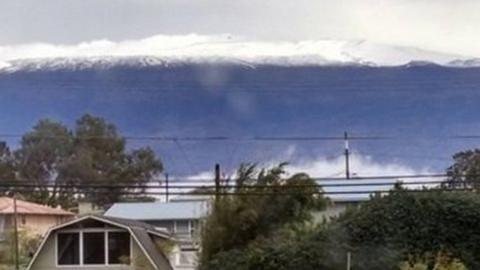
439,29
439,25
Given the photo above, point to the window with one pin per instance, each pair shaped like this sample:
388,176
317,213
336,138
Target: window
182,227
118,248
68,248
94,248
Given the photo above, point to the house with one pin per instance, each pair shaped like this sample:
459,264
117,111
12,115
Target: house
338,205
96,242
182,218
31,217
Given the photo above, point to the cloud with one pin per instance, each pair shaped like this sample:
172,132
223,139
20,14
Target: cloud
445,25
360,166
209,48
334,168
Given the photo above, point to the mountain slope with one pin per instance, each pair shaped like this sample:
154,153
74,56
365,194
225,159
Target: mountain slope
172,50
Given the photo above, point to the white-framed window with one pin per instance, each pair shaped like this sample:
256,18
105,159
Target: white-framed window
93,247
183,228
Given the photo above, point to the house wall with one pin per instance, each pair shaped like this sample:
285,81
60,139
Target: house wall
35,224
46,259
186,257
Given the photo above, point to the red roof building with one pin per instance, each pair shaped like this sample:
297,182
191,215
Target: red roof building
32,217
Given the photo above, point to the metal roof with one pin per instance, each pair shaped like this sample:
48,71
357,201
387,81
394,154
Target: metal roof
159,211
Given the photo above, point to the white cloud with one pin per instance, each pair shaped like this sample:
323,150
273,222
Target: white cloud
361,166
440,25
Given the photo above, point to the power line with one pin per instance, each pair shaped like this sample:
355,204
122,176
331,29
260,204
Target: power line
252,138
316,178
256,193
297,186
207,138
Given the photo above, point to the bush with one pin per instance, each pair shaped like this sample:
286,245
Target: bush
27,245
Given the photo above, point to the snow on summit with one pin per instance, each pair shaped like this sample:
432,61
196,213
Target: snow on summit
162,49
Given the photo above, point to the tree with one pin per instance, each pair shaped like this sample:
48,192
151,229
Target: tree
465,171
286,250
240,218
41,156
93,153
406,226
7,168
100,157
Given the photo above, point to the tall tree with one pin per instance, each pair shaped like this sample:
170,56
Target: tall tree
93,153
41,156
100,158
7,168
238,219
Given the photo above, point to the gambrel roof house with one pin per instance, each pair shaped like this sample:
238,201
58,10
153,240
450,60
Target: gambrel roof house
96,242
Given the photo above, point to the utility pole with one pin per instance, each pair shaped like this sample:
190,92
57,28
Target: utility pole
217,182
166,187
347,156
349,260
15,224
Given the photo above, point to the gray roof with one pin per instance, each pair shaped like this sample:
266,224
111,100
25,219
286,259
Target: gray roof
136,224
159,211
158,258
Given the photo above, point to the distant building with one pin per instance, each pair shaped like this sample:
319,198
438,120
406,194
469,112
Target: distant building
337,206
182,218
32,217
104,243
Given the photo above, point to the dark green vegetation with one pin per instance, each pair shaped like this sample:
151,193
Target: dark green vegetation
435,229
240,219
403,228
53,158
465,172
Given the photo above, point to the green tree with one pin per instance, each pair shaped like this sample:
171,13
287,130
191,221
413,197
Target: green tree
240,218
465,171
405,225
100,157
94,153
41,156
7,168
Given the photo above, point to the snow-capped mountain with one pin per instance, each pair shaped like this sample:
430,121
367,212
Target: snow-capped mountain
170,50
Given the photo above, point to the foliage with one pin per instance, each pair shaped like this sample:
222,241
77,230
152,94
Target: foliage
465,171
442,262
92,153
27,245
165,246
239,219
7,168
302,246
141,262
421,225
432,230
